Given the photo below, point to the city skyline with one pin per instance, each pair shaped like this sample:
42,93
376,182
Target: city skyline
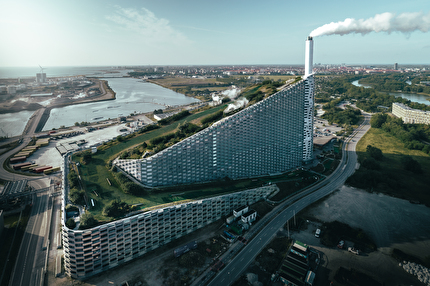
104,33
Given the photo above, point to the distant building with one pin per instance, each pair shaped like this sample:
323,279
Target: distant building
11,89
410,115
396,67
40,77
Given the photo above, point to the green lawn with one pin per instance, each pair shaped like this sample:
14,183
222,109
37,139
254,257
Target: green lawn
392,179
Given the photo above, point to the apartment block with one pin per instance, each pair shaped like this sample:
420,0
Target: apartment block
410,115
91,251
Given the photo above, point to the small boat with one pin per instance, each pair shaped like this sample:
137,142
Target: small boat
97,118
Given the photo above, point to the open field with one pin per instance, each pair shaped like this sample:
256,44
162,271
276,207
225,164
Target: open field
185,81
392,178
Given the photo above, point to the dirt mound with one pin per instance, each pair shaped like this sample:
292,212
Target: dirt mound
18,106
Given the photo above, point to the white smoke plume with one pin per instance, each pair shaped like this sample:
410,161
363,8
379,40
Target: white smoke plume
385,22
231,93
241,102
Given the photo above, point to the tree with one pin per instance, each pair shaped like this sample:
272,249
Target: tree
70,223
77,197
374,152
378,119
116,208
371,164
86,159
410,164
73,179
87,220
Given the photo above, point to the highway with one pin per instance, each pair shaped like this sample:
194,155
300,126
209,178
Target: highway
29,266
30,262
238,264
28,133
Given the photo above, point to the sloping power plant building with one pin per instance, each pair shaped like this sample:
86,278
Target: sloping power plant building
271,136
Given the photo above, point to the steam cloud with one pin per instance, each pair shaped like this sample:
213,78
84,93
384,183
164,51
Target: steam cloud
385,22
241,102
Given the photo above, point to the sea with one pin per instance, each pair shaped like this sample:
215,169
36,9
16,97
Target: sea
28,72
132,96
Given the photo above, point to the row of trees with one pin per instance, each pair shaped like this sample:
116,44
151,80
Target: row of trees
130,187
348,116
398,82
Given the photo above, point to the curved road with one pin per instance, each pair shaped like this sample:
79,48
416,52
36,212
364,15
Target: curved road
29,265
29,132
234,269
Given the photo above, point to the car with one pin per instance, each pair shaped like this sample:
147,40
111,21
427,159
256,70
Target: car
341,244
318,232
353,250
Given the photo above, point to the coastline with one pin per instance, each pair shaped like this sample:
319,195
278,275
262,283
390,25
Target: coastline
107,94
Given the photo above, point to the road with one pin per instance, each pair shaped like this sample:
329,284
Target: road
29,266
28,133
238,264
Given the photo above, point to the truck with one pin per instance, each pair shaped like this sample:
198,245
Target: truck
17,159
20,165
28,168
51,170
41,169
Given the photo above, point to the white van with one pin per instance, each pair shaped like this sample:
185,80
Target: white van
317,232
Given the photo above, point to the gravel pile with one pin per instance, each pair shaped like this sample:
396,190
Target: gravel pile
418,270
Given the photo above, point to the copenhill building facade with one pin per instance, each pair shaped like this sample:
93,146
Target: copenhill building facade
269,137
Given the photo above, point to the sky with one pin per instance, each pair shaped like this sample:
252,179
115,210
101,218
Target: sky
195,32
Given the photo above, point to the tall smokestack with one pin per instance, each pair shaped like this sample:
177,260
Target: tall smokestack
309,56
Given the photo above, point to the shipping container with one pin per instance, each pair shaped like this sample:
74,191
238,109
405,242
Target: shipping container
52,170
20,165
27,168
41,169
17,159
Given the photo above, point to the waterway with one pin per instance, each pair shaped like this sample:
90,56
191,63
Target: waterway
414,97
355,82
13,124
132,96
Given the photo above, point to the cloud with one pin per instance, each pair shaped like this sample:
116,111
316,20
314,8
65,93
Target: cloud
152,30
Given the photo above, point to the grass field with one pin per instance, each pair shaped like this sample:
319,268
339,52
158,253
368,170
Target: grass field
392,178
